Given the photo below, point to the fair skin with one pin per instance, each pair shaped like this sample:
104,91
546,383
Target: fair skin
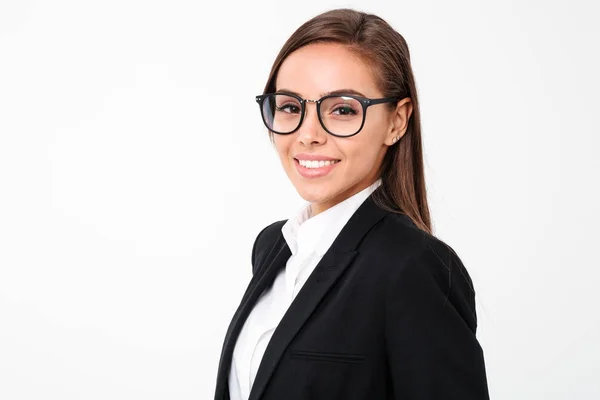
312,71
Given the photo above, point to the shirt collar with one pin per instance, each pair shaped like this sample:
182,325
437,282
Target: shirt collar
307,234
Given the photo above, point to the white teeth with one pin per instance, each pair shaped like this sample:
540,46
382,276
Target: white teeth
316,164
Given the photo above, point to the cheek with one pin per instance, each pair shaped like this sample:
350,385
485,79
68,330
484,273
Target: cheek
282,145
365,147
377,124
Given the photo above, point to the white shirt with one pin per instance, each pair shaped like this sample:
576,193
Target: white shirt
309,238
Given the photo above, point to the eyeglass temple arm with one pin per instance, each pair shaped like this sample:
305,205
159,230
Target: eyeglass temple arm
383,100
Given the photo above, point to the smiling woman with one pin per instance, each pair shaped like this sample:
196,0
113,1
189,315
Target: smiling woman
352,297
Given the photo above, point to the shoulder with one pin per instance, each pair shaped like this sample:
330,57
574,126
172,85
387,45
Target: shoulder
398,238
416,260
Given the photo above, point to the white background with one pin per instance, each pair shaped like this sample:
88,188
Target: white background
133,159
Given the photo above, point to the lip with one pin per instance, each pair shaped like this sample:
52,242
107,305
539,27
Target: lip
311,173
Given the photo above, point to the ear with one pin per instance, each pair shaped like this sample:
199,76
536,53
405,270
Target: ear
399,121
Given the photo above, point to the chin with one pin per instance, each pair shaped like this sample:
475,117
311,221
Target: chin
313,193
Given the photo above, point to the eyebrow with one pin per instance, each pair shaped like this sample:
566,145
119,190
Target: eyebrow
334,92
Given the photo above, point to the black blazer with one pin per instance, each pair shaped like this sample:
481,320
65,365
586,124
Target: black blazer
388,313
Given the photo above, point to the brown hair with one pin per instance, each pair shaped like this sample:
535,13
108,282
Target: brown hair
403,187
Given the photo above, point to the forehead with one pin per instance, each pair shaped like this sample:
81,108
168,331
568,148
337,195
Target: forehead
317,69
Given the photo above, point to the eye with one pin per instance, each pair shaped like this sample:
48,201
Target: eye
289,108
344,109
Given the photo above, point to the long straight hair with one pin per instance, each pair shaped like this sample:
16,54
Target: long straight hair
403,188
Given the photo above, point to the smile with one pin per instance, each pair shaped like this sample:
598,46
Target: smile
315,169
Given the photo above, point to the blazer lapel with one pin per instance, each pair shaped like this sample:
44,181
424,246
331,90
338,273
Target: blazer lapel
259,282
335,261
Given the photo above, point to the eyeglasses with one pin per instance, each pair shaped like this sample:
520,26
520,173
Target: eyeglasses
339,115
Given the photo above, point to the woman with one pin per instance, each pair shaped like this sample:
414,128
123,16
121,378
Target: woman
352,297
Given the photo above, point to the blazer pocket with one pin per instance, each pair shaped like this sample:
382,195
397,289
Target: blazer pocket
328,357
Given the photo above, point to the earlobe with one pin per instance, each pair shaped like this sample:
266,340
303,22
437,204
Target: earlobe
399,122
393,137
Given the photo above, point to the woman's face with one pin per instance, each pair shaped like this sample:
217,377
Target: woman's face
312,72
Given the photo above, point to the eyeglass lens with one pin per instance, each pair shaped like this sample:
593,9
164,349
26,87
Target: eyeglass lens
341,115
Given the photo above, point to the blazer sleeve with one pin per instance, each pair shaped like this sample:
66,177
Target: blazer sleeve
254,246
264,242
430,327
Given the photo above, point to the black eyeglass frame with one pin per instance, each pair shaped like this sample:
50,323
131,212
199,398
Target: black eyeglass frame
364,101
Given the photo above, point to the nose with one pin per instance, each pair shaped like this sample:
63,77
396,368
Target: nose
311,132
